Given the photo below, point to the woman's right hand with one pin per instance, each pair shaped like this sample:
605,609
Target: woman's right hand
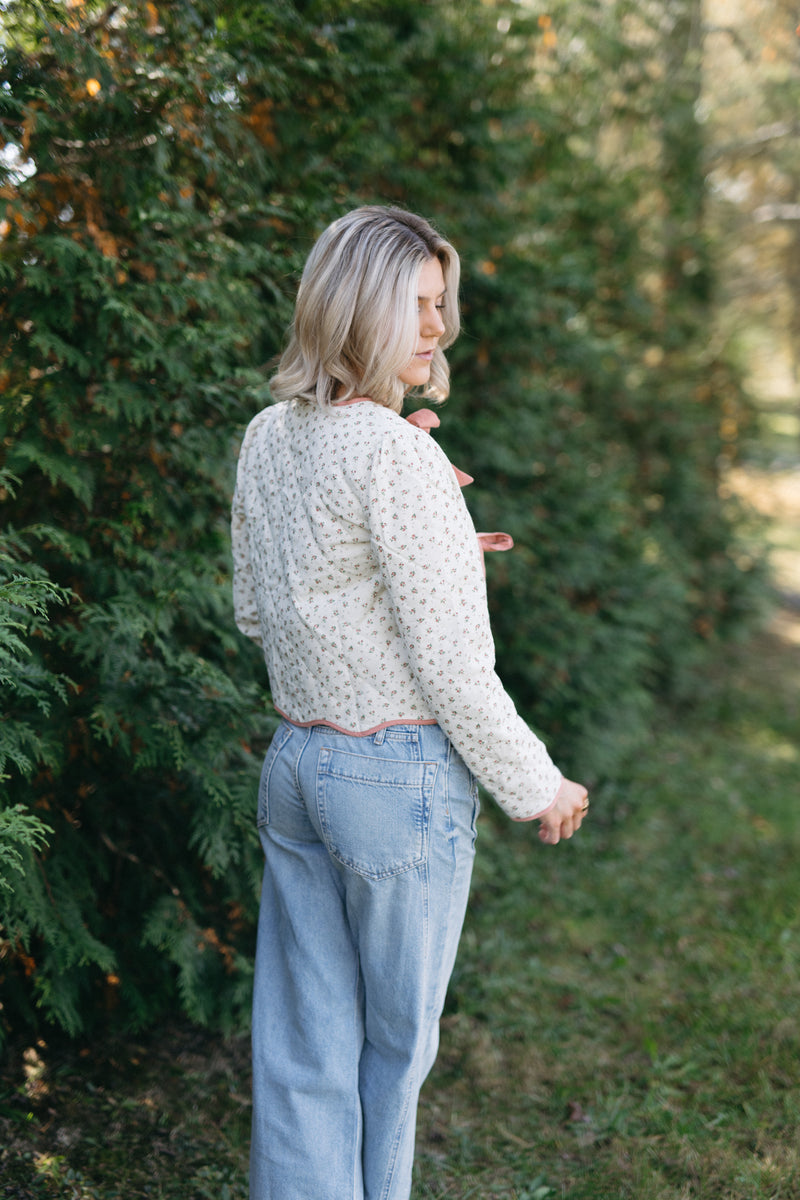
566,815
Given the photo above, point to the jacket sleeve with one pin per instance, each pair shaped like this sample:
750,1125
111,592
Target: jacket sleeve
245,607
431,564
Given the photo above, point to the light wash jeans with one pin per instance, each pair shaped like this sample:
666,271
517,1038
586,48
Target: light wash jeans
369,843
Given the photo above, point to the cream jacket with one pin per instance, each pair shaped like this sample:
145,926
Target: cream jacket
358,571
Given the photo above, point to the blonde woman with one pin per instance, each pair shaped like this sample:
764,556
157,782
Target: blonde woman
358,571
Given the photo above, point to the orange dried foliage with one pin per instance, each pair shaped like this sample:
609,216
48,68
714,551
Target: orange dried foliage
28,130
260,121
27,963
210,937
105,242
27,225
159,460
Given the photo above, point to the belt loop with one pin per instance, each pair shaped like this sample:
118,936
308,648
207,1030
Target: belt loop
380,737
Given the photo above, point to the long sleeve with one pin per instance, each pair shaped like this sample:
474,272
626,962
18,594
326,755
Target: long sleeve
430,561
245,605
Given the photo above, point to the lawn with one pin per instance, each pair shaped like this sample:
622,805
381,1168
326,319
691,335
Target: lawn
623,1022
625,1017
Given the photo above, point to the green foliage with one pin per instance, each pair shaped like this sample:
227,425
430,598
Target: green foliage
18,828
25,683
185,157
623,1021
28,687
129,367
585,401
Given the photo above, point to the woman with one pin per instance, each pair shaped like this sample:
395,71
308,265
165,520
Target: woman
358,571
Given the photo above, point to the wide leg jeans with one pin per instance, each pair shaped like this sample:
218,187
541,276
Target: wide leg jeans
369,843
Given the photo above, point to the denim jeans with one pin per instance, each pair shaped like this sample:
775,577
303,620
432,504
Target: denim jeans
369,843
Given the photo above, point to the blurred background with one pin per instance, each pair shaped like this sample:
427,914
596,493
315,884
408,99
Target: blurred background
621,182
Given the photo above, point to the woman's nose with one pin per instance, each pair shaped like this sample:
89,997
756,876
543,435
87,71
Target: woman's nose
432,324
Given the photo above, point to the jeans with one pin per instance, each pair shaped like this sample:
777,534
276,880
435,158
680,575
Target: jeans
369,843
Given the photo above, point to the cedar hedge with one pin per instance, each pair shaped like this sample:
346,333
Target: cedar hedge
166,170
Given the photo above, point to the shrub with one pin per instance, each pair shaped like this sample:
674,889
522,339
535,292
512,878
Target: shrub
173,165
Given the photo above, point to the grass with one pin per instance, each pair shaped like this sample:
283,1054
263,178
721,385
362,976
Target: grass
166,1116
624,1018
771,484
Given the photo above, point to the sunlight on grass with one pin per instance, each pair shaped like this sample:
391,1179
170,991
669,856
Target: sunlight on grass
623,1021
49,1165
782,423
627,1007
765,742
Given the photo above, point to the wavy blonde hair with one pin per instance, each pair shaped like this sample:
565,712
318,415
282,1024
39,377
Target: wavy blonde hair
356,321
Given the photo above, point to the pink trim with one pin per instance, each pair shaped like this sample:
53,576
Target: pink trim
352,732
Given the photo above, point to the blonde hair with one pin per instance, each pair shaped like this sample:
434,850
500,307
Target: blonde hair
356,320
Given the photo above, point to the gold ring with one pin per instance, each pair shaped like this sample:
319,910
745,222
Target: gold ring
585,807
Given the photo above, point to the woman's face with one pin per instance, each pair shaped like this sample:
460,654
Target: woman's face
430,302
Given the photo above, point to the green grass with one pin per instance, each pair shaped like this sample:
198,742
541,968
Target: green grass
770,482
625,1016
623,1022
166,1116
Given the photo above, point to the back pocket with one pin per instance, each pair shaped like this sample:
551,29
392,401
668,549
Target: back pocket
374,813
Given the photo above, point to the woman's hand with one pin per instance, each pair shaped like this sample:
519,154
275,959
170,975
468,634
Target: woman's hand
566,815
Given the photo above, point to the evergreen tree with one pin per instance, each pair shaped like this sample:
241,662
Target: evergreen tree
173,165
133,320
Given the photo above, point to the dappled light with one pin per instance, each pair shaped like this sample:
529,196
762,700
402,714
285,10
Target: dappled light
621,183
